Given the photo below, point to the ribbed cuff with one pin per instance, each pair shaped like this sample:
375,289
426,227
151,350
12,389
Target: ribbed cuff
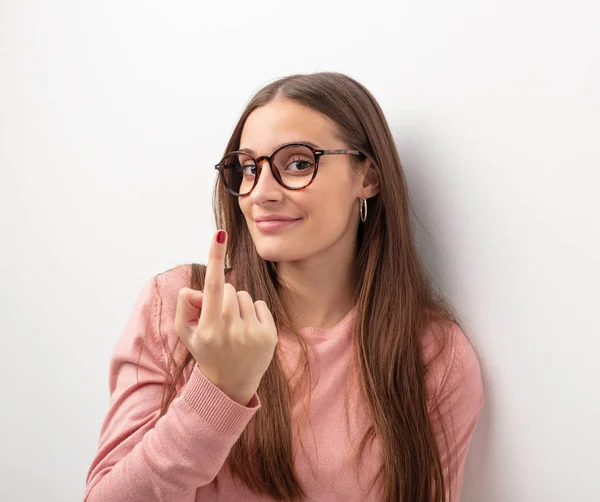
216,407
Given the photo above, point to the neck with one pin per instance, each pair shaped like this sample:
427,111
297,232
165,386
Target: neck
319,289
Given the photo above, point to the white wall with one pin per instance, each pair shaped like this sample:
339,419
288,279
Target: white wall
113,114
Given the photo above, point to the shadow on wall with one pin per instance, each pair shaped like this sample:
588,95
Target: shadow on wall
429,194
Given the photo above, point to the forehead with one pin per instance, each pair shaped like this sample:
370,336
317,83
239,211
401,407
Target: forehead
285,121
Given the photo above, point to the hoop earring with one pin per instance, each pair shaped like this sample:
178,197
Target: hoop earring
363,203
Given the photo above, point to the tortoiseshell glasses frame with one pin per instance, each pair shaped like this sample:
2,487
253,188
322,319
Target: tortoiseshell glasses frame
316,152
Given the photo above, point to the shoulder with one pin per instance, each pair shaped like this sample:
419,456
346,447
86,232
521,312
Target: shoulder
452,366
168,283
167,286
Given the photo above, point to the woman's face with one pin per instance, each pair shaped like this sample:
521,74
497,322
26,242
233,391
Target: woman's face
327,210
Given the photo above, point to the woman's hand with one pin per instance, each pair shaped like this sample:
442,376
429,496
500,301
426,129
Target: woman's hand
234,339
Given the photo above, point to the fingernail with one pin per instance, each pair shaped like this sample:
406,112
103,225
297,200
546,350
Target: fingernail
221,236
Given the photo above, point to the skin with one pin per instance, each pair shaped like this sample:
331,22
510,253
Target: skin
315,255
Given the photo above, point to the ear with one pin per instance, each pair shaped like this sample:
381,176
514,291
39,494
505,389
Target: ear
370,180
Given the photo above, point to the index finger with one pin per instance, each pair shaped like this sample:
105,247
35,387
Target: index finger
214,282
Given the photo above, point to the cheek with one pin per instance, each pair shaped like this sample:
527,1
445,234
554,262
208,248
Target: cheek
329,211
244,206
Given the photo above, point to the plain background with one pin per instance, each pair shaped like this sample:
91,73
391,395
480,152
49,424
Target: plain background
113,115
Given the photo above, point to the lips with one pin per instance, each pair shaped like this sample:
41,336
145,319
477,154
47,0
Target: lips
267,226
275,217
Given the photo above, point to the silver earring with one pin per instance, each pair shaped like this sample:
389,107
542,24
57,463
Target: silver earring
363,203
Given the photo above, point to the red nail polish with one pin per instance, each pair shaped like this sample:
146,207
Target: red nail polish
221,236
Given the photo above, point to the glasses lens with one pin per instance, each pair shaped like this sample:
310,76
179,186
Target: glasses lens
294,166
239,171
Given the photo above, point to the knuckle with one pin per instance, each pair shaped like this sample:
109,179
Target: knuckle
207,339
205,336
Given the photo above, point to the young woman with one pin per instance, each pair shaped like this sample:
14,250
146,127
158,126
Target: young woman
310,359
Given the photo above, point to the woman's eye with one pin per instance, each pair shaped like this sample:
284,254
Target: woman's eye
248,169
299,164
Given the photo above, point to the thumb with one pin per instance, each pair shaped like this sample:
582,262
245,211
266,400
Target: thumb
195,298
187,312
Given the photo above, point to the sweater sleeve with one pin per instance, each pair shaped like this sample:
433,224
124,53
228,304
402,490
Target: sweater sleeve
458,396
144,457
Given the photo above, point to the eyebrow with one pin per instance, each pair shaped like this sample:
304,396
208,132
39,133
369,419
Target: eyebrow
305,142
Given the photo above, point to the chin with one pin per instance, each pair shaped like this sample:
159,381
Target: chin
271,255
274,254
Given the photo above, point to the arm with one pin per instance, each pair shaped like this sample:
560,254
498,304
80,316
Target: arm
142,457
459,397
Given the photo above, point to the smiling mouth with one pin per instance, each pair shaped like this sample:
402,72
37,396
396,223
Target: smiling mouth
268,226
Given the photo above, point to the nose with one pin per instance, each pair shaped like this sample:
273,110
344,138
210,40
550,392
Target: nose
267,187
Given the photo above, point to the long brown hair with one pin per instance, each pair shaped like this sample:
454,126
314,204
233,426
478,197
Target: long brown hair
395,301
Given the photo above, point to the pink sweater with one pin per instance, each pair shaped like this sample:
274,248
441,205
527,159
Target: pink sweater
144,458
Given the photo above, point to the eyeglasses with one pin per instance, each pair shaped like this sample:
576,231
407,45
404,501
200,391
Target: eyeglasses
294,166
